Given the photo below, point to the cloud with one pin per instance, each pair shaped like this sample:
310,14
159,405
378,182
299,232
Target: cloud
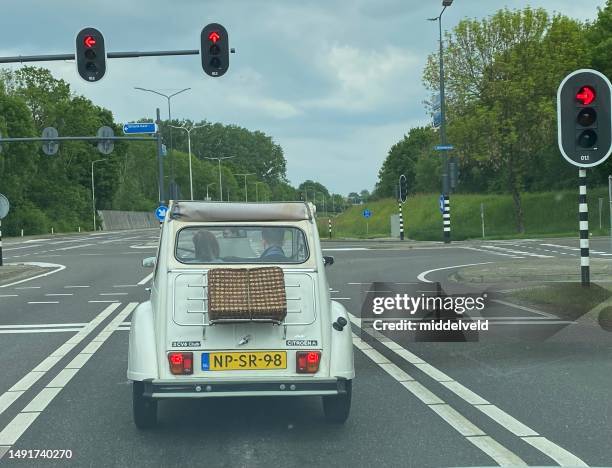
362,79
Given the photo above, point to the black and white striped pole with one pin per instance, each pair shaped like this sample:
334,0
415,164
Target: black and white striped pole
446,220
402,195
329,227
584,125
4,209
401,220
583,209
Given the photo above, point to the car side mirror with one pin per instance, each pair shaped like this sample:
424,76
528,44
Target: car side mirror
328,260
149,262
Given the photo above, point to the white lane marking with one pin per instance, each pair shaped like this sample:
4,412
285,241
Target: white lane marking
519,252
423,276
114,294
73,247
18,426
43,325
340,298
43,302
457,421
74,287
490,252
7,399
30,378
561,246
92,254
40,401
503,418
28,287
62,378
558,454
345,249
20,423
145,280
546,446
526,309
60,294
101,302
57,267
496,451
38,330
125,286
9,295
151,246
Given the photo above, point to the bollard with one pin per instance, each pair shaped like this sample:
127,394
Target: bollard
79,228
52,231
22,233
330,228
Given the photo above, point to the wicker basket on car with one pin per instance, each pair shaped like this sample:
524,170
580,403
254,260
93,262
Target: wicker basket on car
254,294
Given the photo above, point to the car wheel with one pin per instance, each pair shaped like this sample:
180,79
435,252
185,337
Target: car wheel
338,407
145,408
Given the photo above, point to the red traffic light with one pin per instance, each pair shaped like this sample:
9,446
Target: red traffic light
214,37
585,95
89,41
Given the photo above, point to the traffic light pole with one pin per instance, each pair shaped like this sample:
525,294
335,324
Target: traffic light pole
110,55
446,225
160,160
583,210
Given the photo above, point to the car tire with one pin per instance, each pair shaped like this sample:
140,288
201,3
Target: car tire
337,407
145,408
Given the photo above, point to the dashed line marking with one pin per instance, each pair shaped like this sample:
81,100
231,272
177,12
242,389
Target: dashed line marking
43,302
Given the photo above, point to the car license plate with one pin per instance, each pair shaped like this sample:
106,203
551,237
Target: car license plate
256,360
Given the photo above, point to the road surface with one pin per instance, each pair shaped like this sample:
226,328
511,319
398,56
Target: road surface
492,402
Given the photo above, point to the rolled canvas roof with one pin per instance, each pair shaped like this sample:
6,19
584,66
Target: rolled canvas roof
221,211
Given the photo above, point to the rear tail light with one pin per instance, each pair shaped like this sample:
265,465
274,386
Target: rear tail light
307,362
181,363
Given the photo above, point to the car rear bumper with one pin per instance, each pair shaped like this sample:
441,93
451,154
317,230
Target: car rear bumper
225,388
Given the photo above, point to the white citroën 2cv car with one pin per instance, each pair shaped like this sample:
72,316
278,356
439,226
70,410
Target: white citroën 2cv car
240,306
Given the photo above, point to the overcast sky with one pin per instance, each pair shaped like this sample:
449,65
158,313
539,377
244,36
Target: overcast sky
334,82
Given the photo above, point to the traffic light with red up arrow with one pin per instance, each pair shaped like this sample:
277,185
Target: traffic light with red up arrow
214,50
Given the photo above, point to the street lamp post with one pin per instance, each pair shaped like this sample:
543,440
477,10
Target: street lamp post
208,185
220,182
168,97
188,130
443,142
93,192
256,190
246,194
323,197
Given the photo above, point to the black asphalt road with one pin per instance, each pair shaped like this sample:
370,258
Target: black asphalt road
501,400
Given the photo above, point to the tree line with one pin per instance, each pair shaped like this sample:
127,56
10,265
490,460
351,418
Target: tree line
55,191
501,80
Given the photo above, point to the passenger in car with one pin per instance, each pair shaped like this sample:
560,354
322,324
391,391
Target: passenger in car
272,244
206,246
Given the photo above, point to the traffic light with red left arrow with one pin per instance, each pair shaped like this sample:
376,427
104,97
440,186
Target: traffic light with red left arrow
90,55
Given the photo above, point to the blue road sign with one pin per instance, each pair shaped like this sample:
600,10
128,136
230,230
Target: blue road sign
141,127
367,214
441,203
444,147
160,212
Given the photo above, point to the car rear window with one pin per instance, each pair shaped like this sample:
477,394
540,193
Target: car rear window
241,244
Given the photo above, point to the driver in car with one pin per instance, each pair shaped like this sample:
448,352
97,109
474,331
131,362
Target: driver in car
273,245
